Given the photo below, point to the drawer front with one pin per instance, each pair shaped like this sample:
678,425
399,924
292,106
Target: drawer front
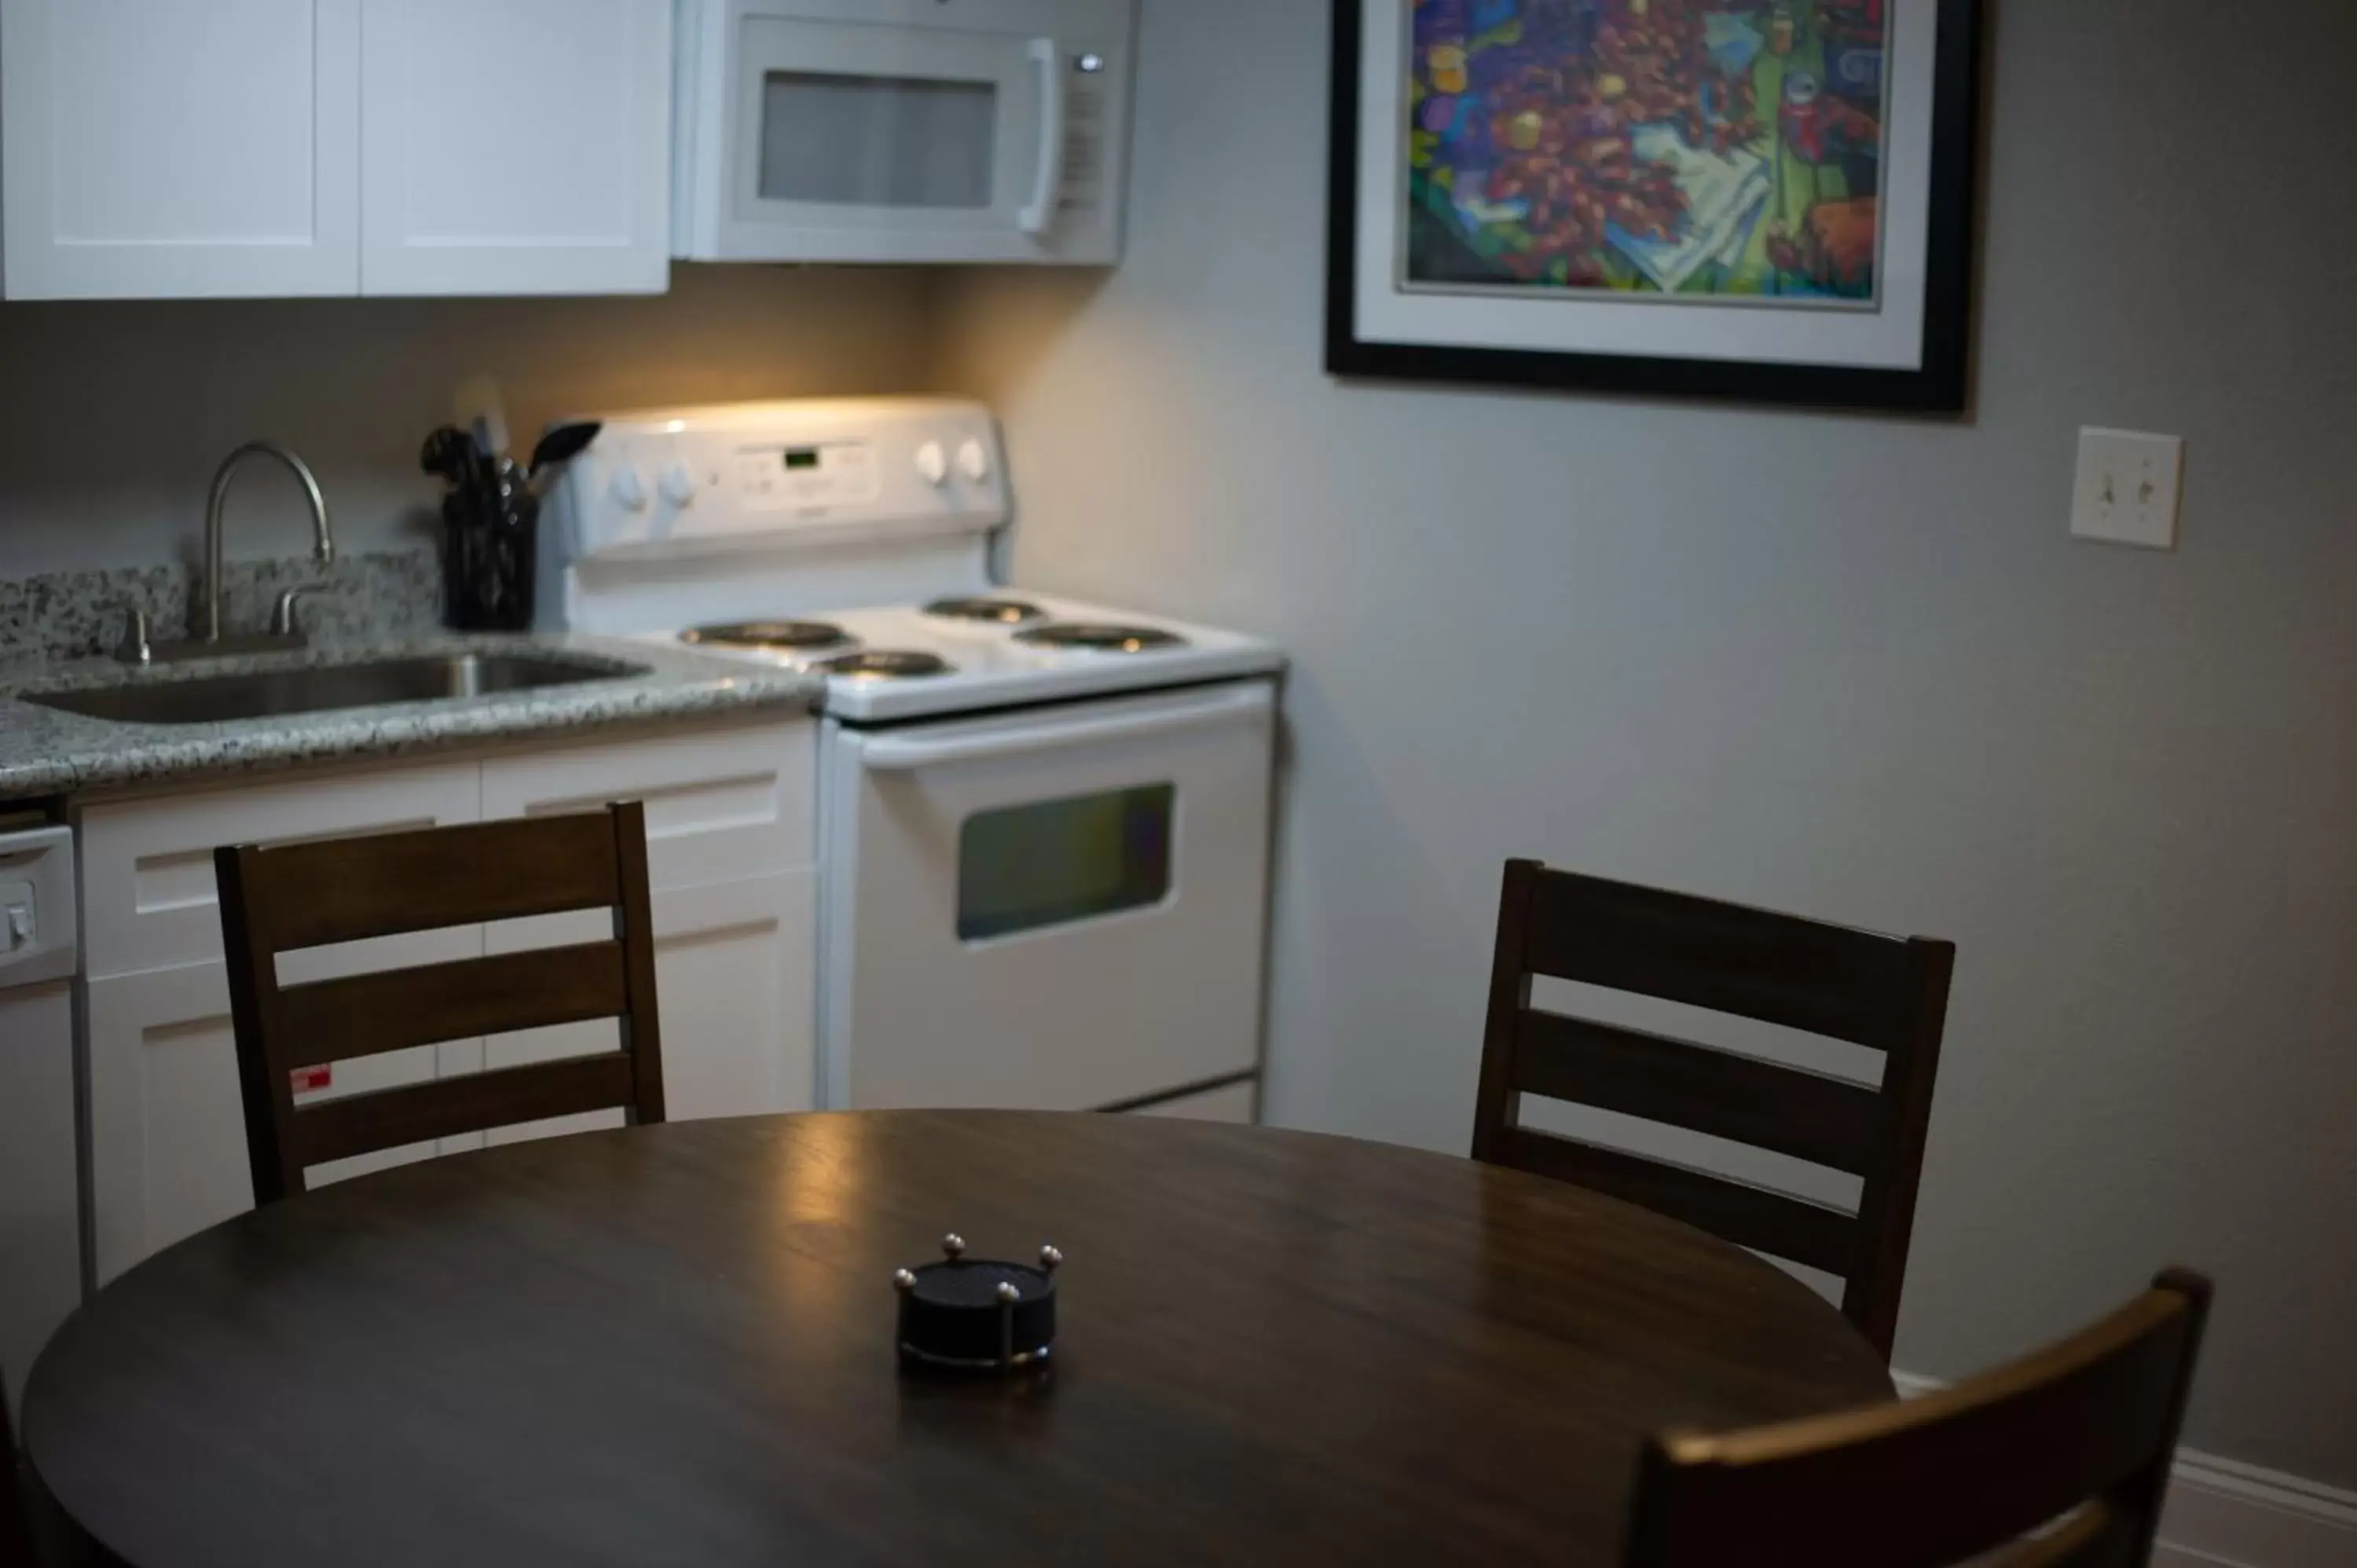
148,865
721,806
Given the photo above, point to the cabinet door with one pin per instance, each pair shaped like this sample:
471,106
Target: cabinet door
516,146
156,149
166,1128
734,978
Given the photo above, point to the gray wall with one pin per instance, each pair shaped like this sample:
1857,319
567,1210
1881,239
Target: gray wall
1847,666
114,416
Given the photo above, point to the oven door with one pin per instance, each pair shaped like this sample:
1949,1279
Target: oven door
1057,910
883,141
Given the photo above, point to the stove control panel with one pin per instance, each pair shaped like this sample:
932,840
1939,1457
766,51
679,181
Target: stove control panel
764,476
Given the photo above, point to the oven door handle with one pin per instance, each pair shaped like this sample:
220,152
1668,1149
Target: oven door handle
905,753
1047,183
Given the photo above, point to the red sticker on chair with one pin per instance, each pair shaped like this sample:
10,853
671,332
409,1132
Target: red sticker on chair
310,1079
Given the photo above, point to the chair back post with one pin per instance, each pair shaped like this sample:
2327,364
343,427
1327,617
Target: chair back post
1886,1213
16,1517
268,1096
2147,1489
634,928
1498,1105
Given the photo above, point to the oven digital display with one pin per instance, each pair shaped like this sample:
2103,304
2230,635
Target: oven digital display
802,459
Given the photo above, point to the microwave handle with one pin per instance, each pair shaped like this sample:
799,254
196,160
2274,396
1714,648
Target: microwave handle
901,754
1047,183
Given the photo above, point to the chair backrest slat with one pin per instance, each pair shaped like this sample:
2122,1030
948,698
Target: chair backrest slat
1810,1116
347,890
1803,975
313,895
2082,1434
395,1010
392,1118
1795,1227
1884,993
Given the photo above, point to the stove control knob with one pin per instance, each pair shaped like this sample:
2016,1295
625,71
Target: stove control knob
628,491
933,464
678,485
973,462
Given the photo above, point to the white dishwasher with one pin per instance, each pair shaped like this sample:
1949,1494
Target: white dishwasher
40,1182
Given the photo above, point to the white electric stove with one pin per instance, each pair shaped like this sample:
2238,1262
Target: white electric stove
1044,824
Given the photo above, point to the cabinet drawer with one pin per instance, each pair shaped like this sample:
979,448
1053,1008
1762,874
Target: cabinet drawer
721,806
148,865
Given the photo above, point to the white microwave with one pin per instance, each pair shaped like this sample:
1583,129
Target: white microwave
902,130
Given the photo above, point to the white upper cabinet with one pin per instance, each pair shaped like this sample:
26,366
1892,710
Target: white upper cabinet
515,146
160,149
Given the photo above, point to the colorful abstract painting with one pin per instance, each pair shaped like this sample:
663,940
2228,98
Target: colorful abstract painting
1690,150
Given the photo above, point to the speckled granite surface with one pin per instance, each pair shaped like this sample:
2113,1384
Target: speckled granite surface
70,614
46,752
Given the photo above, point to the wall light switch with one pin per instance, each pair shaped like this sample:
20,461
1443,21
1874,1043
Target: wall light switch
2128,488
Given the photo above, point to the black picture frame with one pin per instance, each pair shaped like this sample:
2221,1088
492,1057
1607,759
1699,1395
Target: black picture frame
1941,385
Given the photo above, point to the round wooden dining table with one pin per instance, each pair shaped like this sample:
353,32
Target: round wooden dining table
676,1344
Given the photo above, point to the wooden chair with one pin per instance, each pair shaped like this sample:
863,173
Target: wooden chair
279,900
1874,991
2074,1442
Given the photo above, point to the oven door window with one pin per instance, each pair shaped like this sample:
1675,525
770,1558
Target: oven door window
879,141
1024,868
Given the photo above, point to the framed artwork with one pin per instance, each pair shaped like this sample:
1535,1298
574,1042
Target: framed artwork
1764,199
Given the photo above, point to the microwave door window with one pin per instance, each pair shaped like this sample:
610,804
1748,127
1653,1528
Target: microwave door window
879,141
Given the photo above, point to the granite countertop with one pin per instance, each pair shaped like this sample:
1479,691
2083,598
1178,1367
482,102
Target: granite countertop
44,751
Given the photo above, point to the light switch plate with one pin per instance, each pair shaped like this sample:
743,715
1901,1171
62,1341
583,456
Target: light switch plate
2129,483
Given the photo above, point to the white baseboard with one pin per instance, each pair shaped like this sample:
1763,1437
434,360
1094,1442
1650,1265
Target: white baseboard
2222,1513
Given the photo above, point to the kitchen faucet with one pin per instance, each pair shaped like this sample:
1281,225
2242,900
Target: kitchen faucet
214,589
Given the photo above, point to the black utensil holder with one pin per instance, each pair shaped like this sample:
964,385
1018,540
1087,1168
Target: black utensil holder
489,554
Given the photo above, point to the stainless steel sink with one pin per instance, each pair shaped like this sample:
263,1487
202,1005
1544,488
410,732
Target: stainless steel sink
215,698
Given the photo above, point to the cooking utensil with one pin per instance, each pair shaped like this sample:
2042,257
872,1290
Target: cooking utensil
479,408
556,448
563,444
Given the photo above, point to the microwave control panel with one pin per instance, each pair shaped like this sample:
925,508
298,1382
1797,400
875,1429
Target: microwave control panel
1089,138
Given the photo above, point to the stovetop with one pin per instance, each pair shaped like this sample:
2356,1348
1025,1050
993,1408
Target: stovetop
976,653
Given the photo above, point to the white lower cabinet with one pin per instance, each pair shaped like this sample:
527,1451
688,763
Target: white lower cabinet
730,828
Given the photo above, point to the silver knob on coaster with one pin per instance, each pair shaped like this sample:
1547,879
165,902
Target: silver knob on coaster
952,1246
1008,1293
903,1280
1051,1258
